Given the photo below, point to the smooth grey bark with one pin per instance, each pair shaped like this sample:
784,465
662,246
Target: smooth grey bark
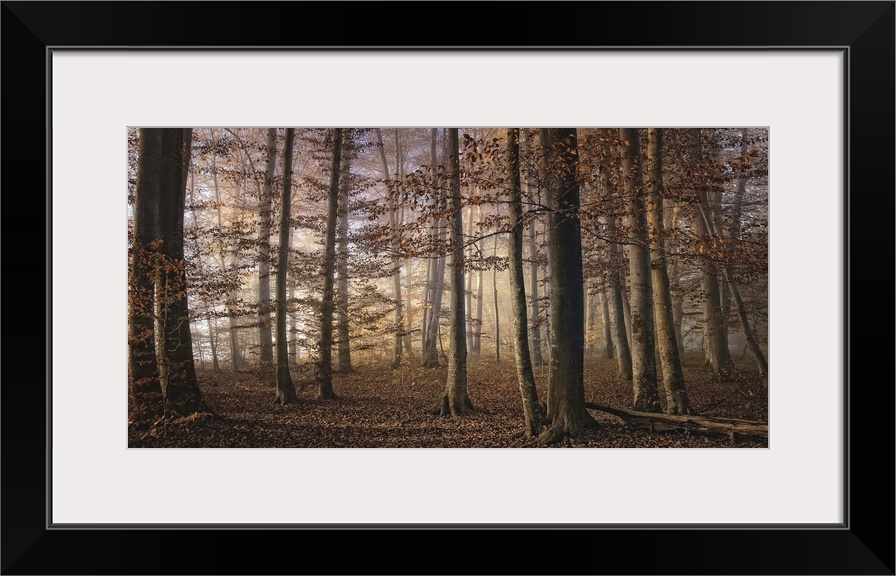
144,390
344,352
532,410
537,358
566,392
455,400
393,192
437,269
616,288
177,371
677,401
644,377
469,289
265,337
230,303
285,389
325,367
477,321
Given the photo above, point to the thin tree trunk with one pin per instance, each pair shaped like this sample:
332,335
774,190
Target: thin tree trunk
477,321
469,289
342,304
265,337
405,313
285,389
607,341
537,359
454,400
532,410
672,247
497,316
213,342
436,280
673,377
646,396
325,376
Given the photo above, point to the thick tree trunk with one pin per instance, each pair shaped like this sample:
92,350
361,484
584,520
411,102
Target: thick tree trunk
454,400
673,377
532,410
144,390
265,338
285,390
646,396
342,304
325,375
180,388
566,392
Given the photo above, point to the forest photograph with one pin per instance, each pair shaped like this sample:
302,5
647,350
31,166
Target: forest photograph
424,287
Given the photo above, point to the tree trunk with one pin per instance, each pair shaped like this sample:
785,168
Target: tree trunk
477,322
265,338
607,341
532,410
646,396
213,342
497,315
673,377
325,376
566,392
468,292
716,332
437,268
454,400
672,248
342,319
537,359
180,388
144,390
285,390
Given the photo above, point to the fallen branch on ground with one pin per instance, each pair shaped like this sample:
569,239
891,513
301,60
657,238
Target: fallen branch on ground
686,423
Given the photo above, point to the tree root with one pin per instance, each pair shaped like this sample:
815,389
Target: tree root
444,407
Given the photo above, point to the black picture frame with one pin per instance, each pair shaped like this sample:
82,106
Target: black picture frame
864,544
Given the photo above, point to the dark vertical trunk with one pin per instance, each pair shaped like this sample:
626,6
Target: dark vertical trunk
180,389
265,339
342,304
673,377
532,411
646,395
454,400
144,390
566,391
285,390
672,248
325,376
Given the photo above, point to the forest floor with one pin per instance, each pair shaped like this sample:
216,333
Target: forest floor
384,408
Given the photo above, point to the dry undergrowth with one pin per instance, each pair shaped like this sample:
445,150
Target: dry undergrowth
379,407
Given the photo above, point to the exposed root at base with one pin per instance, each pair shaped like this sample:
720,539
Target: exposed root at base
444,407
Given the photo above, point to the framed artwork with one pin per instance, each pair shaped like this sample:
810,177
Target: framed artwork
818,75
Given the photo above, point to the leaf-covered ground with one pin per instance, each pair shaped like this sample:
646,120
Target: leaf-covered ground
380,407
